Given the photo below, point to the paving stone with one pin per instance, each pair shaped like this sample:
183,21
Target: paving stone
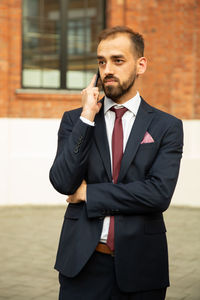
29,237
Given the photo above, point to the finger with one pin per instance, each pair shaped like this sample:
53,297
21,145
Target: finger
96,92
83,91
92,81
96,95
99,105
95,89
69,199
91,91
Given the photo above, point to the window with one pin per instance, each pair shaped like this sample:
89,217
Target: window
59,42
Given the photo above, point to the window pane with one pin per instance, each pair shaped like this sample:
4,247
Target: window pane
79,37
30,8
84,25
41,45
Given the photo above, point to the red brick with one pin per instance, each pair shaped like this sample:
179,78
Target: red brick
172,37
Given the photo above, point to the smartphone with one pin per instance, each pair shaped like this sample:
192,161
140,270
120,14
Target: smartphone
97,79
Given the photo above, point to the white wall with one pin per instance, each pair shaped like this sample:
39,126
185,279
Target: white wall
27,150
187,190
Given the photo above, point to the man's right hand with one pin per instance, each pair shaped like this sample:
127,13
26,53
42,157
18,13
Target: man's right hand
90,103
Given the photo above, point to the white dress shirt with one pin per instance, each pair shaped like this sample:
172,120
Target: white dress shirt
127,122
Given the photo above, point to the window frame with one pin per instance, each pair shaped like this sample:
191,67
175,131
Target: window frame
63,55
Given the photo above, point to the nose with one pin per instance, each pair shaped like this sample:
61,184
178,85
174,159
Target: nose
108,69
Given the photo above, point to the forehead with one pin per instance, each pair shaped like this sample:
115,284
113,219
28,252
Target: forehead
118,44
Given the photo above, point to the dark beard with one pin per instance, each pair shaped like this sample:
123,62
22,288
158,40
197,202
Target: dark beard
117,92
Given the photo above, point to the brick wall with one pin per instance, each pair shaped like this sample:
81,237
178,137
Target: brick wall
4,58
172,34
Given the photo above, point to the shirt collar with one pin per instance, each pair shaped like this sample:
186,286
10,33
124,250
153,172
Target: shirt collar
132,104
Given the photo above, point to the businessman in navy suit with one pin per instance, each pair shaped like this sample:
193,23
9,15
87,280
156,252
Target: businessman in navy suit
118,161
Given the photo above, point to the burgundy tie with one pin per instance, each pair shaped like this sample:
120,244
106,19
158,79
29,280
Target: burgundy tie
117,153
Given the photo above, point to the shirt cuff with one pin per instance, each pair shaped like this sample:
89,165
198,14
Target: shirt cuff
88,122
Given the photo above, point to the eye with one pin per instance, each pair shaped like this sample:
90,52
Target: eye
101,62
119,61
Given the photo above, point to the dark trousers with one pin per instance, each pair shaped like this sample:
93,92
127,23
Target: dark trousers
97,281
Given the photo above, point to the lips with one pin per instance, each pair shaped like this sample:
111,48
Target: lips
109,81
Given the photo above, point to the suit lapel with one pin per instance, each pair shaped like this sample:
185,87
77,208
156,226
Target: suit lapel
144,117
101,140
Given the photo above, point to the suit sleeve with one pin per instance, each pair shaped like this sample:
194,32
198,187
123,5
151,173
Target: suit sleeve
74,142
153,194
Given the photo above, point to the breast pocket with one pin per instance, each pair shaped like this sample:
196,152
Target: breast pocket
73,211
148,146
144,158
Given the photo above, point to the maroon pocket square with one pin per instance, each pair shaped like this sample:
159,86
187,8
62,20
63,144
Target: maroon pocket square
147,139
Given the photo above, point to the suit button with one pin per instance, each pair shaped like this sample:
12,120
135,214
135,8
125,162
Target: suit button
80,140
76,150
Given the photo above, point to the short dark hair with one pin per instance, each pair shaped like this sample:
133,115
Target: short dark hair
136,38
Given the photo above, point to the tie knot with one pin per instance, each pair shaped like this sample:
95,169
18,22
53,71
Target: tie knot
119,112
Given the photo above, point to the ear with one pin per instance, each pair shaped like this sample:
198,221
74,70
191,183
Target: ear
141,65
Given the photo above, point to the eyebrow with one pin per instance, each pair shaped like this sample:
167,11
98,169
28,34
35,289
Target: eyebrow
112,56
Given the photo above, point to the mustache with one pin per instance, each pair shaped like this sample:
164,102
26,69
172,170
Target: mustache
110,77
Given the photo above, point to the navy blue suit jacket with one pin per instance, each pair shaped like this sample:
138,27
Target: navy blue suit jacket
143,192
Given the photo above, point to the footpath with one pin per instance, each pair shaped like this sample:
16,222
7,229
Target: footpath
29,238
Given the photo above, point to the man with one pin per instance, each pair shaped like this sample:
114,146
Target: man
118,160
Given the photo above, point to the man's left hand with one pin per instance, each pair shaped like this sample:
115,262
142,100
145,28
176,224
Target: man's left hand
79,195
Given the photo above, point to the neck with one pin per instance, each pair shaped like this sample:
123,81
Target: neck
124,98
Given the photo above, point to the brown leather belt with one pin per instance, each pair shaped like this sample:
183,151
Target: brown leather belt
103,248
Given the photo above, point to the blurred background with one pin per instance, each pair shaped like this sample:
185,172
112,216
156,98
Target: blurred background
48,54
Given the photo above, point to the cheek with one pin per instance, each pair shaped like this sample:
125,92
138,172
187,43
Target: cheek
124,75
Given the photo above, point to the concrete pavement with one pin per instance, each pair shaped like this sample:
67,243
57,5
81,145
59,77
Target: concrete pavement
28,242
